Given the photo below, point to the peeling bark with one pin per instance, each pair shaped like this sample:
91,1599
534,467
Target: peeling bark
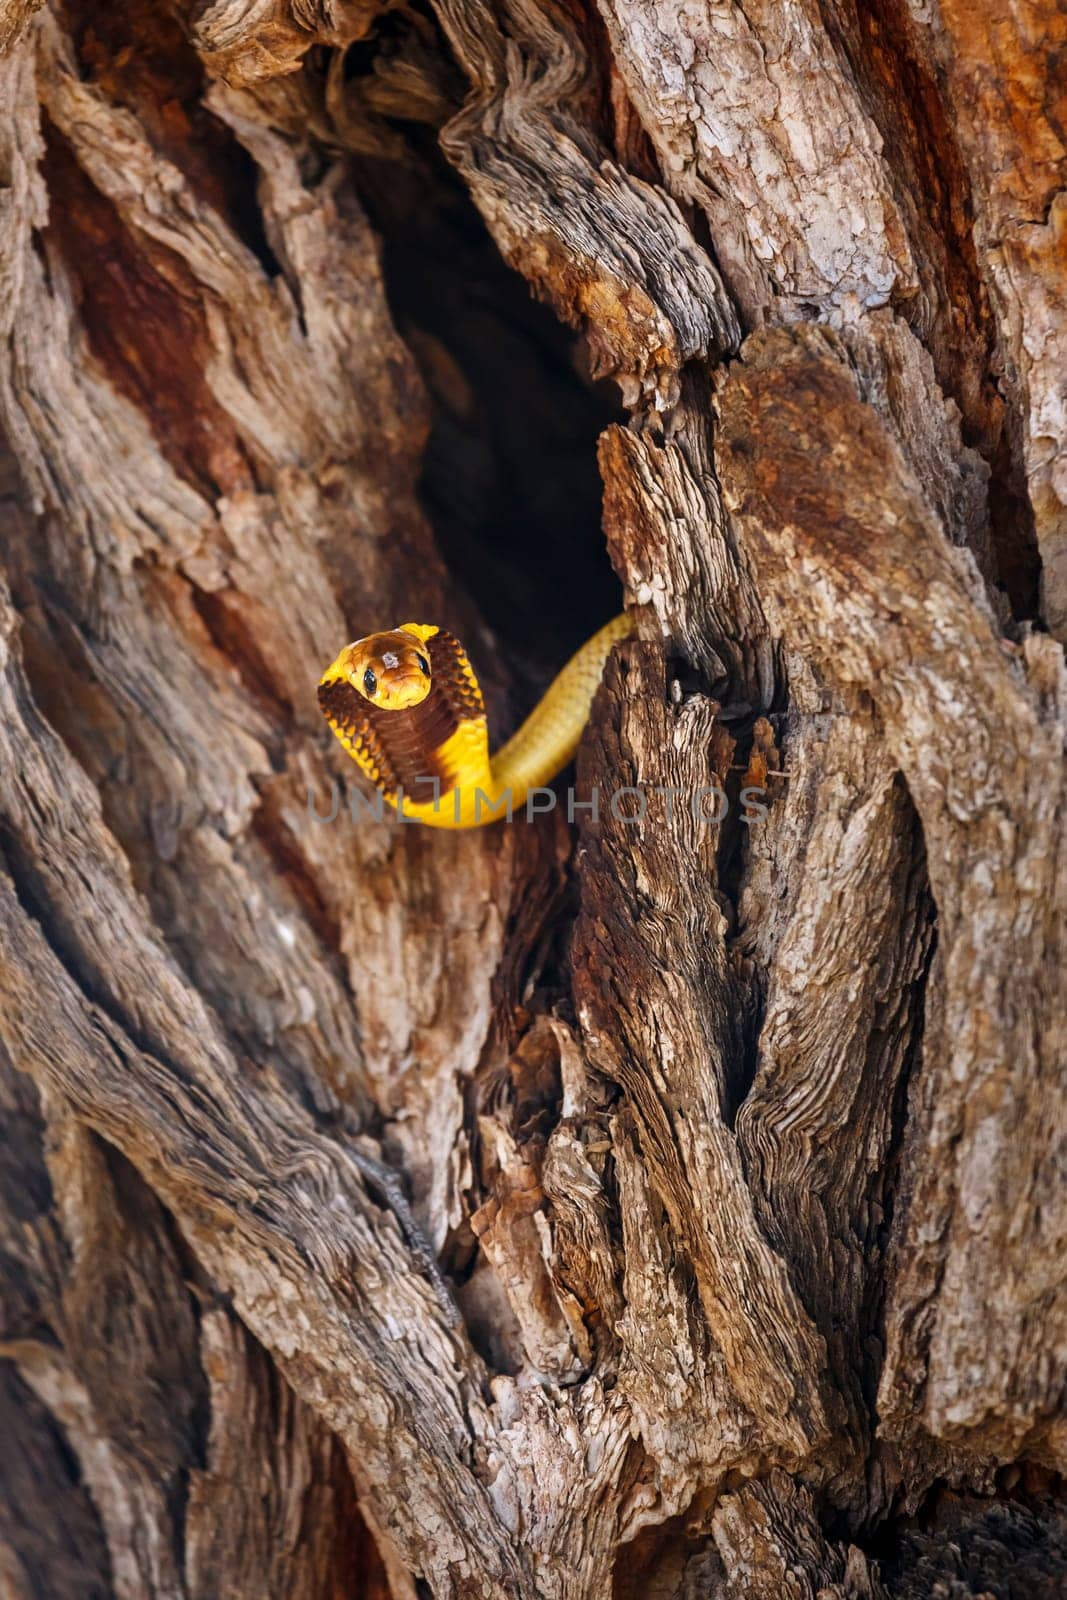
658,1196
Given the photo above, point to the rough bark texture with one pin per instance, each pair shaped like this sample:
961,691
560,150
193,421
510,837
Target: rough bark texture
635,1204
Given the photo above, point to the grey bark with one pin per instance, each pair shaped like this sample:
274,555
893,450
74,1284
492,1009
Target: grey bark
625,1206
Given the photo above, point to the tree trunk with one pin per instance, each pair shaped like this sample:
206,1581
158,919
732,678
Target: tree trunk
660,1199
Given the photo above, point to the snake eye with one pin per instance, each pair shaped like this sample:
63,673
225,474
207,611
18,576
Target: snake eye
424,664
370,682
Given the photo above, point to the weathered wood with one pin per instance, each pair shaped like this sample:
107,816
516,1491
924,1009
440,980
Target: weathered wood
660,1198
892,610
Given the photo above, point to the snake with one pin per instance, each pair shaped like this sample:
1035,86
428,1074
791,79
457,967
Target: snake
407,706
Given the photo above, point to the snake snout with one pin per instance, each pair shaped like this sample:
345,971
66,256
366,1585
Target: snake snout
400,687
389,670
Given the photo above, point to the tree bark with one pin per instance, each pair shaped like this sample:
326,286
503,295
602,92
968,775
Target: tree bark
656,1196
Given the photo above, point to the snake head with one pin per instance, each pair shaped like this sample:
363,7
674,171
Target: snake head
390,670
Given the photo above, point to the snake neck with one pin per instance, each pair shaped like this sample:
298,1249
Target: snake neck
537,752
549,737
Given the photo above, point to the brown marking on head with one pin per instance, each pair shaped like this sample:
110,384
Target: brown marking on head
396,720
391,670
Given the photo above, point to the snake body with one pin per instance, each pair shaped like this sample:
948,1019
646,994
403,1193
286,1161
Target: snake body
407,707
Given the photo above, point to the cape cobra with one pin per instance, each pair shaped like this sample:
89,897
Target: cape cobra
407,706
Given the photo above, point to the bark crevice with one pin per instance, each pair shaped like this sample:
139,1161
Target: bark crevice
735,1138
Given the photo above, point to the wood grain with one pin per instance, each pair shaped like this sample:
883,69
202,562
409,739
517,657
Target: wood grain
647,1199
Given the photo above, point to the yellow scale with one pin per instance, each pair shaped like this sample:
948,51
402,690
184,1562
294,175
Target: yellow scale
481,788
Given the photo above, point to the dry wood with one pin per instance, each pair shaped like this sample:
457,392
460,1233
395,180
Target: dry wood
652,1201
